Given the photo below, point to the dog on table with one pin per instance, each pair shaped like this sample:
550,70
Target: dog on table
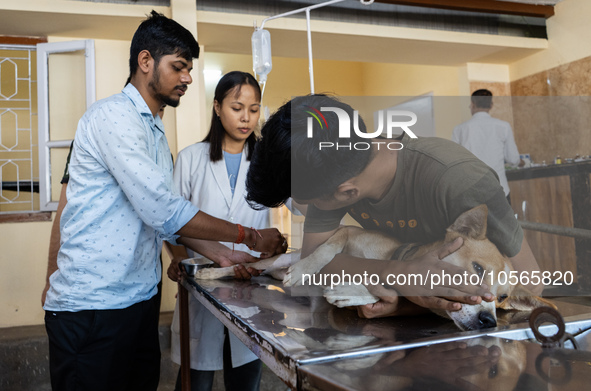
477,254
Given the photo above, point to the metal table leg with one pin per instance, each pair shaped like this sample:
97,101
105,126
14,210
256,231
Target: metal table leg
184,330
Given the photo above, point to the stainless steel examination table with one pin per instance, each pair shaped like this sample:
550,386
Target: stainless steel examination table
312,345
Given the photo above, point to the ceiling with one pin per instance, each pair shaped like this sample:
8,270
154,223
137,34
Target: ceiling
350,47
230,33
388,39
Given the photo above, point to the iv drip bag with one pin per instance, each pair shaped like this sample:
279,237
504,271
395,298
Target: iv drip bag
261,53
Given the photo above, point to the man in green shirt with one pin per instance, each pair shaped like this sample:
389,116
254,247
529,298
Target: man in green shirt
409,188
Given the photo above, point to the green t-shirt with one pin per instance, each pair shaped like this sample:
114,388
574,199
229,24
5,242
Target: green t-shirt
436,181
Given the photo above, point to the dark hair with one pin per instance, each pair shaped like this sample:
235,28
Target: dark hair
268,178
482,99
230,82
287,162
161,36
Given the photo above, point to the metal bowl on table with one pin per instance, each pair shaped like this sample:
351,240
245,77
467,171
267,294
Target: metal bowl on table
192,265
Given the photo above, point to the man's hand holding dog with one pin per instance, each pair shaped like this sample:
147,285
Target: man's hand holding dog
444,296
447,295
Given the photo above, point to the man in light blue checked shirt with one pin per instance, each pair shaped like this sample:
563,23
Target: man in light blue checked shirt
101,313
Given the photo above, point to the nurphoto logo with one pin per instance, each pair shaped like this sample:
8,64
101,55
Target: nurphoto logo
392,119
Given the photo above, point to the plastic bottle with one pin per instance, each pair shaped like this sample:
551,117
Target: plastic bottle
261,53
557,160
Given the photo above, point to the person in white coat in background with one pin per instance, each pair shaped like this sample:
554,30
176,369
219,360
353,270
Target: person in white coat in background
212,175
490,139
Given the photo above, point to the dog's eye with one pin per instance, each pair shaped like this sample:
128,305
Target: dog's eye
478,269
493,372
502,298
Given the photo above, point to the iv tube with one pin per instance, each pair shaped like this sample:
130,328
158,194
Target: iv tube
261,42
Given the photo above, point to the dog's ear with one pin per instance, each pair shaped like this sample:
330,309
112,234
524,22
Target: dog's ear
522,299
471,223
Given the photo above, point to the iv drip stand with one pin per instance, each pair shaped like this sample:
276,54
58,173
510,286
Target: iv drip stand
309,32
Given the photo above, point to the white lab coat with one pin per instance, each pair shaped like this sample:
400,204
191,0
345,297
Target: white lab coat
206,185
491,140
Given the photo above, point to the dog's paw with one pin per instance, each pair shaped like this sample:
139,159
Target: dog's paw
299,273
290,279
278,274
349,295
211,273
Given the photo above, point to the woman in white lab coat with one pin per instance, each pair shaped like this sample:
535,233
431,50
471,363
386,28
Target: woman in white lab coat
212,175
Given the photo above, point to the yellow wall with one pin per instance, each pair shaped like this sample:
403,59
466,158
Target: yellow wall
569,32
23,260
20,302
24,256
411,80
24,245
289,77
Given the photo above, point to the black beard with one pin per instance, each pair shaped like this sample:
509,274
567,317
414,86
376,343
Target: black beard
155,86
168,100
